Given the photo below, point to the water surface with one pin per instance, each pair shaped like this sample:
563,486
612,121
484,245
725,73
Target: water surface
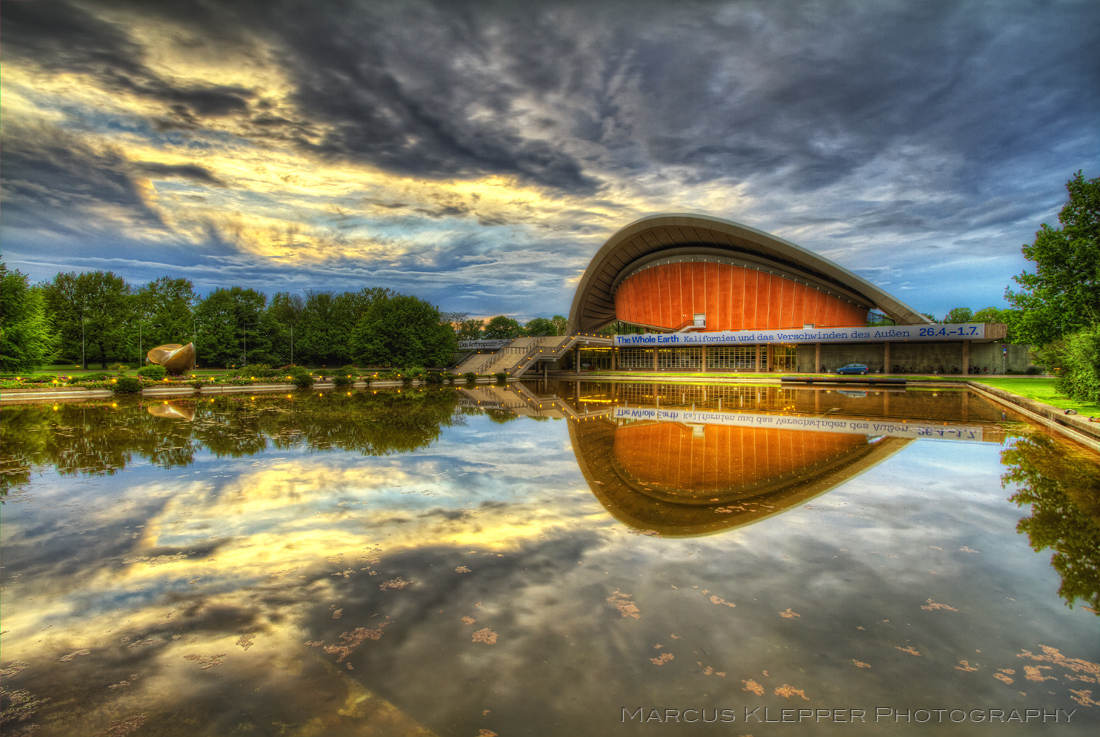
605,558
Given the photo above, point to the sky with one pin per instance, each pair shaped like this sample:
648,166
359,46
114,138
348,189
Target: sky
478,154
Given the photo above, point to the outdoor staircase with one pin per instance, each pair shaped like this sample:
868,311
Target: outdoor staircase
521,354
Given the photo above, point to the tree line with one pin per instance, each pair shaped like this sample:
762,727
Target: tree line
97,317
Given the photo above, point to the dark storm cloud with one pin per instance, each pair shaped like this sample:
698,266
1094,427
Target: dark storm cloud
54,181
65,37
192,172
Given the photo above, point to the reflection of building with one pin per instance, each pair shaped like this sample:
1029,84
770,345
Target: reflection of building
684,460
724,283
702,482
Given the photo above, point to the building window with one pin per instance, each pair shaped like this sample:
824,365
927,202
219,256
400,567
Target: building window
635,358
680,359
735,358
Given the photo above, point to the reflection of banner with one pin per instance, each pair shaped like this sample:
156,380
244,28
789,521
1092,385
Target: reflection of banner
966,331
491,345
891,428
483,404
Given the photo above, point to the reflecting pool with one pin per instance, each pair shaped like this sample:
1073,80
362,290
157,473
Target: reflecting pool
548,557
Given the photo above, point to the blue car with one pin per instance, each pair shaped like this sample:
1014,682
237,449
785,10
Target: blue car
853,368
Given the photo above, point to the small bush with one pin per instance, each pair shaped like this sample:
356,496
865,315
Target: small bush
433,378
120,369
471,377
153,371
128,385
302,380
343,379
501,377
1033,370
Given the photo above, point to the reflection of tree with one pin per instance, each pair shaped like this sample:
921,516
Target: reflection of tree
100,439
1063,489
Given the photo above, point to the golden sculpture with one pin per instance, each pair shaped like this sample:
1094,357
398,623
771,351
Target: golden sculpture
178,359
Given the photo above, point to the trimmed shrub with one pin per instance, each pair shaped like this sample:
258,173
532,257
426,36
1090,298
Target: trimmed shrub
128,385
433,377
501,377
302,380
342,379
471,377
153,371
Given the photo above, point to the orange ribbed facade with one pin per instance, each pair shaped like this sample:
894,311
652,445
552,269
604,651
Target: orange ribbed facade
732,297
723,457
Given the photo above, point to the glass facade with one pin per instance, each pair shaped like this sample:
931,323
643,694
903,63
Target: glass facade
732,358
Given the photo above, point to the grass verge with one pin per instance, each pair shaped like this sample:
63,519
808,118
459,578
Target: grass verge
1041,390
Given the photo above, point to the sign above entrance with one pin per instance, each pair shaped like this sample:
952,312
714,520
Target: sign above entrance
963,331
487,345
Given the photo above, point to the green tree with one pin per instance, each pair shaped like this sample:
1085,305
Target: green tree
561,324
1063,294
94,314
324,335
469,330
284,312
540,326
958,315
501,327
930,316
27,340
232,330
163,313
403,331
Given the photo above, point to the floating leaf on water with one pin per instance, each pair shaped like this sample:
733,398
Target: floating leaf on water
1053,655
15,667
1002,676
720,600
1032,673
125,727
860,663
351,640
462,569
338,613
468,620
486,635
76,653
965,549
207,661
933,606
790,614
1084,698
787,691
245,641
622,602
908,649
662,658
396,583
965,666
753,687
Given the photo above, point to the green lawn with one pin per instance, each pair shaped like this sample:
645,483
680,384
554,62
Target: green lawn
1041,390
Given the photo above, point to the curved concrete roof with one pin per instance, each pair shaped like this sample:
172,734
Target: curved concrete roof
647,239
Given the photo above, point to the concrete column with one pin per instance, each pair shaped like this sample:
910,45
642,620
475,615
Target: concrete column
817,358
614,355
654,359
886,357
577,358
704,358
769,355
758,347
966,357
